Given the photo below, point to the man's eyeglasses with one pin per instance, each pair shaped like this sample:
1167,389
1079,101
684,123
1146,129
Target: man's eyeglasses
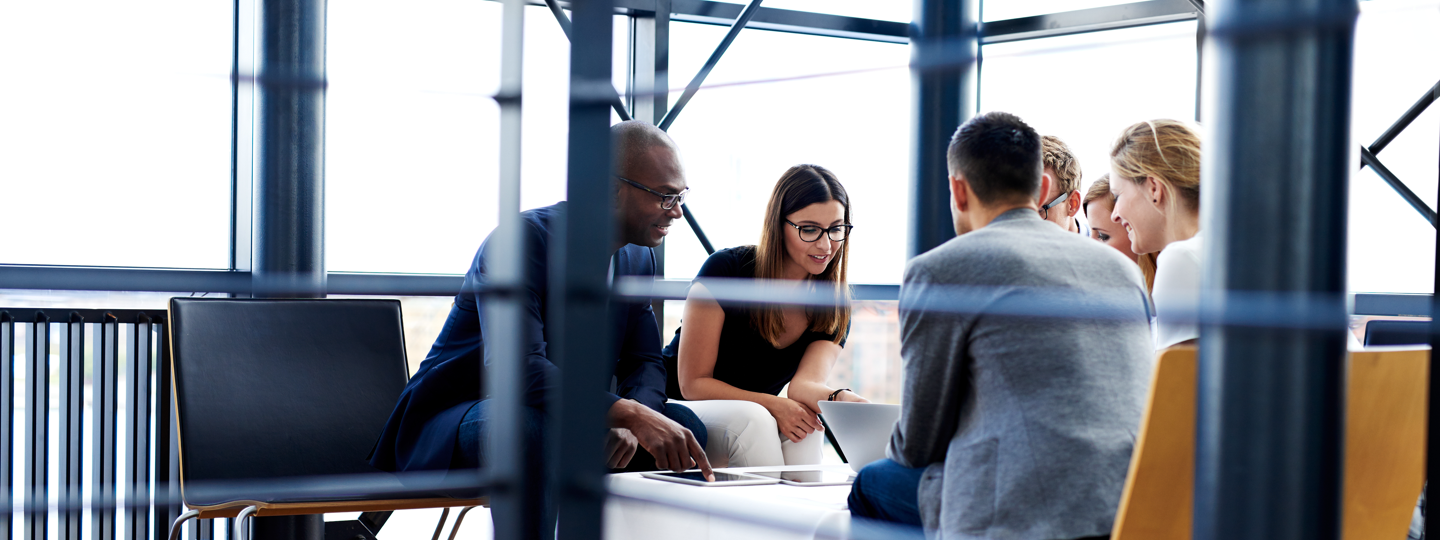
1045,210
811,233
667,200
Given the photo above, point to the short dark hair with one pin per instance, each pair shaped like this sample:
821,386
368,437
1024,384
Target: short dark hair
999,154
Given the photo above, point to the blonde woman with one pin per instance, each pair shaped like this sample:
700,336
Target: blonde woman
1098,205
731,361
1155,178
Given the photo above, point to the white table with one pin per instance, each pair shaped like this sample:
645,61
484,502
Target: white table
774,511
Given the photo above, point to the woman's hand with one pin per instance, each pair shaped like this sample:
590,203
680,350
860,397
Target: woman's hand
794,419
846,395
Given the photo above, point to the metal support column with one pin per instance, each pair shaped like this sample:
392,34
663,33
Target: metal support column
289,236
1270,420
1432,419
944,46
649,79
578,265
511,491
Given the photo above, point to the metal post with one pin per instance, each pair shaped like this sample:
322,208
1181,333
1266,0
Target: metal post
649,78
1432,420
1270,421
70,468
511,492
583,245
104,422
7,418
37,430
943,31
289,223
690,89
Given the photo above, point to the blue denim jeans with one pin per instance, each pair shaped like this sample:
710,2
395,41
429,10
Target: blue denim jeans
470,450
887,491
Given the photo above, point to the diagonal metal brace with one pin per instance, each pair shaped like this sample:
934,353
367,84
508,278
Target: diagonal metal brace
564,21
1405,119
694,86
1368,159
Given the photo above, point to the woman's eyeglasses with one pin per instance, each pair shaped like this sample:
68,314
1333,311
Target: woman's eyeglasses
811,233
667,200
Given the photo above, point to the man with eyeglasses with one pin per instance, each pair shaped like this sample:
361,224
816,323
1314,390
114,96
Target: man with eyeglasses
441,418
1060,186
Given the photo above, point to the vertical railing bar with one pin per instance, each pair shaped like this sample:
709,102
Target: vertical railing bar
37,429
7,418
165,466
137,510
71,427
104,404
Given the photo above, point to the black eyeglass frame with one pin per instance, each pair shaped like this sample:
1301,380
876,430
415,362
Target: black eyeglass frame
830,232
672,198
1045,210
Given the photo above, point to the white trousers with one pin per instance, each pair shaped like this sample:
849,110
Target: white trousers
744,434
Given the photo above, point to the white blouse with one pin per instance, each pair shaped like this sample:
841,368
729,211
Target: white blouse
1177,292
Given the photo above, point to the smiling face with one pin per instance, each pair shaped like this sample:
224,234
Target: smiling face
1108,232
643,220
812,257
1137,209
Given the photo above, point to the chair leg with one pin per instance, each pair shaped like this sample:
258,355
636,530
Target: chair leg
440,527
180,521
458,519
239,533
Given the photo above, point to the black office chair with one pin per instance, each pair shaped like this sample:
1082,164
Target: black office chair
1391,332
283,390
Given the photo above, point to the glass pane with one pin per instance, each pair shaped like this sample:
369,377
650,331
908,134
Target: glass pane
891,10
738,135
412,163
999,10
1069,86
115,118
1391,247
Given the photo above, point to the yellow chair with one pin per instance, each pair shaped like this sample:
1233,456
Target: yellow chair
1384,448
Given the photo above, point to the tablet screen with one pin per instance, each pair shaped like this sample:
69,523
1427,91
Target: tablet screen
699,477
807,477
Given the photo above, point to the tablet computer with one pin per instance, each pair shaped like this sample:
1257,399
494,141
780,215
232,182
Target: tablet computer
808,478
696,478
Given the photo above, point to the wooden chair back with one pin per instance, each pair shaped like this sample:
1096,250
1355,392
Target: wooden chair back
1384,448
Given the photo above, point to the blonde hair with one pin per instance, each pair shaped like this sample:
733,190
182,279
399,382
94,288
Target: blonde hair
1166,150
1101,189
799,187
1057,157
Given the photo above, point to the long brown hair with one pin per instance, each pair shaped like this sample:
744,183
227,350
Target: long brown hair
1166,150
799,187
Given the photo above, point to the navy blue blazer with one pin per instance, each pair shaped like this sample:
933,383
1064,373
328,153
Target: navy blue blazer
420,434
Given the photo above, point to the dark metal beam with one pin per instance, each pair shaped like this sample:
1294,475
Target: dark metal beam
699,79
616,104
799,22
695,228
944,99
1432,420
1368,158
289,237
1087,20
1405,119
580,339
1270,418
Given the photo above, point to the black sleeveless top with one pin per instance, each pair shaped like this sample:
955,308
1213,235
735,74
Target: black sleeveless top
745,359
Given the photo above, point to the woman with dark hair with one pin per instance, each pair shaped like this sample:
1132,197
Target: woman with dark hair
731,361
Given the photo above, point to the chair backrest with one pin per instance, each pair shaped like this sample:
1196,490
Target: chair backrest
1157,502
1384,441
1381,332
1384,448
270,389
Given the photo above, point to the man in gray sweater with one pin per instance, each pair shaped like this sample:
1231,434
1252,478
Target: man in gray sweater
1027,359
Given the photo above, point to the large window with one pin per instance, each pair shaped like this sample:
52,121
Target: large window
412,149
114,138
1087,88
1391,247
777,100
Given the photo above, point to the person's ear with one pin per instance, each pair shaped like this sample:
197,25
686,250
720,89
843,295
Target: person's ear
959,199
1155,191
1045,183
1074,203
